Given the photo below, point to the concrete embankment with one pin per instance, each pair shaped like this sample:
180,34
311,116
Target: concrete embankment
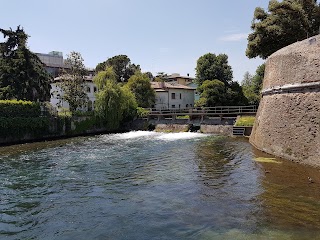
225,130
288,119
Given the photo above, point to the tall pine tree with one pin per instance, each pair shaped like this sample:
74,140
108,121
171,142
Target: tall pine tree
22,74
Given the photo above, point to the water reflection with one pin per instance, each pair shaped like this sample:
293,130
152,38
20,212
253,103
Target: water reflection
289,199
149,185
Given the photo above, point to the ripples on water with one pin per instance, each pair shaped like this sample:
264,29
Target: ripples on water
148,185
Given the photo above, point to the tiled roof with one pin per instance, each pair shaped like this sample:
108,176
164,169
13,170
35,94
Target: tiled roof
176,75
172,85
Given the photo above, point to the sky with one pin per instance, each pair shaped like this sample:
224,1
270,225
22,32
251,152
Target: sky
160,35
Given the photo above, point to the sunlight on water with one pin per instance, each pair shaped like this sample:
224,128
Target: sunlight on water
156,135
180,136
151,185
134,134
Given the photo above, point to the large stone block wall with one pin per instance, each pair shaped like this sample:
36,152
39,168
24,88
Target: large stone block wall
297,63
288,122
288,125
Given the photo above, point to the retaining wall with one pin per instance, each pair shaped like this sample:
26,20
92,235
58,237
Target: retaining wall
288,119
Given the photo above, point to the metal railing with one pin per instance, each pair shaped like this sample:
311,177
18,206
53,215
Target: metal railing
205,111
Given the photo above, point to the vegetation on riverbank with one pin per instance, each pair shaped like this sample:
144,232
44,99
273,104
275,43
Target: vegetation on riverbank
245,121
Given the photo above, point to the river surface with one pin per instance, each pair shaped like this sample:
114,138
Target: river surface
148,185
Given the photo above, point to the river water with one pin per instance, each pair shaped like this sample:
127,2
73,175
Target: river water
148,185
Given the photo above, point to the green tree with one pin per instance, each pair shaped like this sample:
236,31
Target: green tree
252,85
211,66
122,67
72,82
284,23
140,85
128,103
235,95
22,74
114,103
161,77
150,76
212,93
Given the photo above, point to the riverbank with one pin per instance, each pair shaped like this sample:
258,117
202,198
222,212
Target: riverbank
83,126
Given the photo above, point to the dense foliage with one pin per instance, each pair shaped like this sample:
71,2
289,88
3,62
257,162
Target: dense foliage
211,66
113,103
18,118
252,85
216,88
140,86
22,74
122,67
20,126
14,108
212,93
284,23
72,83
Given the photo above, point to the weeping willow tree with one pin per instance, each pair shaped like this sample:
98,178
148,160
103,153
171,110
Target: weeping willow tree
113,103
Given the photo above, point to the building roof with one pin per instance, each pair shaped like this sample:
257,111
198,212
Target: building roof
177,75
86,78
169,85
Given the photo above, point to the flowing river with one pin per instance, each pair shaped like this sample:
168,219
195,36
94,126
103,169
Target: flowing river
148,185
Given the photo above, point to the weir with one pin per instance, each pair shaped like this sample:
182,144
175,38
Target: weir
219,120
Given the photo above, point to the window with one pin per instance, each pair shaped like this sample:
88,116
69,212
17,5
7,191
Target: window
179,106
95,89
187,105
88,89
173,96
180,95
173,106
190,105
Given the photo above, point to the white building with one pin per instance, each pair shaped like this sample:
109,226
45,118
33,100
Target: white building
53,62
171,95
90,87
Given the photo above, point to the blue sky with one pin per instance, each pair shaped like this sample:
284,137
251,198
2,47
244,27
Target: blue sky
160,35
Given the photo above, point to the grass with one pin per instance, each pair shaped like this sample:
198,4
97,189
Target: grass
183,117
245,121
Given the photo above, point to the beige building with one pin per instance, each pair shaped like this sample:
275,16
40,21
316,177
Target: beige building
172,95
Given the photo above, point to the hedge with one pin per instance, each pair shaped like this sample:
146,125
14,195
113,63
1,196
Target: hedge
15,108
20,126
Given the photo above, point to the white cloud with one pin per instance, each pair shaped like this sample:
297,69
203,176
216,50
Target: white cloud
234,37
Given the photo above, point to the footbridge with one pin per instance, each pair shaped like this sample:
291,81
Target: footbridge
192,114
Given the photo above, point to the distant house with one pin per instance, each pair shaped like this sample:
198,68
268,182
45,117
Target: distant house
53,62
90,88
185,80
171,95
195,86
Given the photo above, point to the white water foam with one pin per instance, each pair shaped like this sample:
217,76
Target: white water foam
135,134
180,135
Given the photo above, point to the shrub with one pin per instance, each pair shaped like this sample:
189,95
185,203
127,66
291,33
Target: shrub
142,112
20,126
245,121
15,108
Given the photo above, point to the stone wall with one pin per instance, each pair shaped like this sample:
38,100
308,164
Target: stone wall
288,121
225,130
